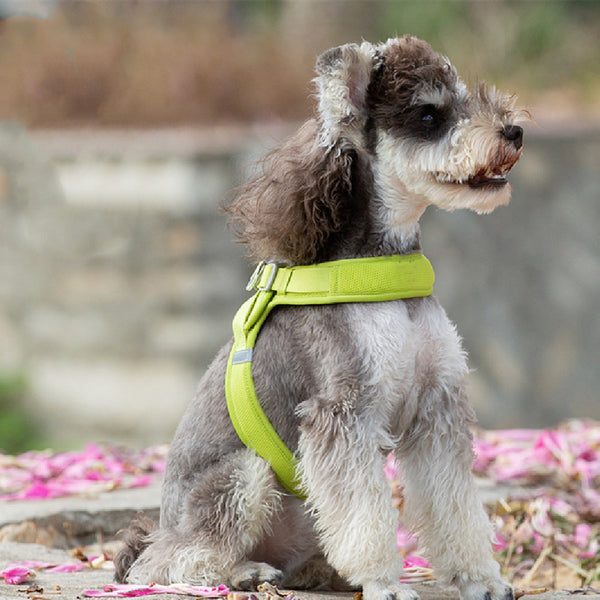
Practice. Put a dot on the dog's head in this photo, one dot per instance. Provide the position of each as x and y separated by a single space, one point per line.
396 131
431 141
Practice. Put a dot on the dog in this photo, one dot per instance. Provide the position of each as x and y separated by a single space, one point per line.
345 384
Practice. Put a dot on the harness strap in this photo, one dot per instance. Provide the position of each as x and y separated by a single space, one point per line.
373 279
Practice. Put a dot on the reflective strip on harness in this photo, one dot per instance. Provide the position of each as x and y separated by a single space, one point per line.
373 279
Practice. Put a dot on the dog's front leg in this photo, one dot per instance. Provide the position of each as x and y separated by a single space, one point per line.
342 471
442 502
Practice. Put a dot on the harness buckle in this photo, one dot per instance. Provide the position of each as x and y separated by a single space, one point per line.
257 275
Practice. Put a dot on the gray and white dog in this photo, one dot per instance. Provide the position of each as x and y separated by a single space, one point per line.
396 131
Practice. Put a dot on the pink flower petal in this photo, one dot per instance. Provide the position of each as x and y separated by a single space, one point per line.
141 481
415 561
404 539
37 491
500 544
159 466
67 568
31 564
582 535
133 590
16 575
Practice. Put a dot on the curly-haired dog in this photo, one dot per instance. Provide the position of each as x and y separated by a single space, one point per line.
345 384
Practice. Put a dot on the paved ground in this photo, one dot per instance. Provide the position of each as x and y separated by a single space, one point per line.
96 519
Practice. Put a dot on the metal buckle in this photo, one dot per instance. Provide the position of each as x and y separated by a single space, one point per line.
256 276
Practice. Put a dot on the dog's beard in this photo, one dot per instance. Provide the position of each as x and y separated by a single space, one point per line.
483 200
466 169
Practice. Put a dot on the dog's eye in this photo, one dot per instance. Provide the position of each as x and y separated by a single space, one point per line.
429 116
425 122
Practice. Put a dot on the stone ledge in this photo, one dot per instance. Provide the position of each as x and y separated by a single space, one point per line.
80 521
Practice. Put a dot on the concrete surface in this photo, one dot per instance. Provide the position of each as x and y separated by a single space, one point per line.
87 520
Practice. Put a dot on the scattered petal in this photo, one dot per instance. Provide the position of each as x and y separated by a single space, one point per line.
67 568
43 475
415 561
16 575
133 590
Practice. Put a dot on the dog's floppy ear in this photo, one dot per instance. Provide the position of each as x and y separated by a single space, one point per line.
290 210
343 78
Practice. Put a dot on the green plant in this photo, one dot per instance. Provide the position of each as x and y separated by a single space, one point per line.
18 432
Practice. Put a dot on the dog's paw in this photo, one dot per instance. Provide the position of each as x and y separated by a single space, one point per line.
247 576
496 590
375 590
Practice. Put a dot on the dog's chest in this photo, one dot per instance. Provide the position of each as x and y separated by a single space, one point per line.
406 347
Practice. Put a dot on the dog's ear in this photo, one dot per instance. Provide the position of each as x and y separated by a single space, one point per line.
290 210
343 77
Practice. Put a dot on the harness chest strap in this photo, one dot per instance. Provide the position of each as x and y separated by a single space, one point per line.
374 279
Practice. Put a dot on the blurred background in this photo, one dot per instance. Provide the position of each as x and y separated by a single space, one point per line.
124 125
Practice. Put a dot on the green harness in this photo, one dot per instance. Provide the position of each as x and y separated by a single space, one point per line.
374 279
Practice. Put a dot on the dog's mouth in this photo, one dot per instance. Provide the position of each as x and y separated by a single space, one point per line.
488 178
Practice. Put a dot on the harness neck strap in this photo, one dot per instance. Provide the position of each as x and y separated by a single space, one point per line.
373 279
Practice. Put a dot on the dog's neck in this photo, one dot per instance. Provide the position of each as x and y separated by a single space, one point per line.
383 218
401 240
395 211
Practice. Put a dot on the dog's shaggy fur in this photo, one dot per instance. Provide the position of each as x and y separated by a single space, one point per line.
396 131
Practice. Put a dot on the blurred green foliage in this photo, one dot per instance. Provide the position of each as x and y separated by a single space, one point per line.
428 20
533 45
18 432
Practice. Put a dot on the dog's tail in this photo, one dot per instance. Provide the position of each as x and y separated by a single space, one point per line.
136 539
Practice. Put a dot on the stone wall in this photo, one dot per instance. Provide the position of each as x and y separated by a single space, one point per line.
119 279
118 276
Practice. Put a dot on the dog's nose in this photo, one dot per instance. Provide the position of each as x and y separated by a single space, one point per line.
514 134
